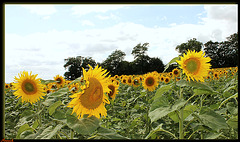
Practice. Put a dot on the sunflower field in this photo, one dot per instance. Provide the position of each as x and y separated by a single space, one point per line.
193 101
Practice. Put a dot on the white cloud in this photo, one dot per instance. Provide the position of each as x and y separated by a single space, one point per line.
40 9
84 9
87 23
222 12
107 17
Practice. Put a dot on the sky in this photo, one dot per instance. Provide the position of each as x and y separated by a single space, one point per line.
39 37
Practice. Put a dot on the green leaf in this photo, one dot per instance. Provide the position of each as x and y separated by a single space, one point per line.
198 85
48 102
60 92
186 112
53 132
35 124
211 119
159 128
226 92
45 132
45 82
233 122
105 133
84 126
163 110
200 92
213 135
161 90
77 80
53 107
19 102
172 61
233 96
161 101
233 109
22 129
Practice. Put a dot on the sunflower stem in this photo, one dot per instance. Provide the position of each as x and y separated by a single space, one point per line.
148 124
181 132
39 117
72 134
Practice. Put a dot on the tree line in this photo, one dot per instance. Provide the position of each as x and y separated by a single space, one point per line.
223 54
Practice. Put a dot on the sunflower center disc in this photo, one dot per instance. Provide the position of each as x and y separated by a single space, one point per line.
92 96
175 72
59 81
28 88
192 65
150 81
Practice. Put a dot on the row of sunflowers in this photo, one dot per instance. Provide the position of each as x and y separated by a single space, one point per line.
89 94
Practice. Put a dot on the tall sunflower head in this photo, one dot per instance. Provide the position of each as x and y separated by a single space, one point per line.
28 87
195 65
91 100
150 82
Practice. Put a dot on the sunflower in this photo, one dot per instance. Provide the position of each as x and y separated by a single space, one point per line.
167 79
52 87
150 82
216 75
7 86
28 87
136 82
93 95
195 65
74 88
113 86
60 81
161 78
129 80
124 80
175 72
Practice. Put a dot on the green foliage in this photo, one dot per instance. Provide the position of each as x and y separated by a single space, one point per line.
223 54
192 44
74 66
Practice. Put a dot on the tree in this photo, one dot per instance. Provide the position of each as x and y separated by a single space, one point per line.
155 64
223 54
192 44
211 50
112 63
140 56
74 66
140 50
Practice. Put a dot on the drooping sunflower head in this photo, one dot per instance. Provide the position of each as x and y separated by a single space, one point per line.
136 82
28 87
113 86
74 88
150 82
129 80
124 80
91 100
60 81
195 65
